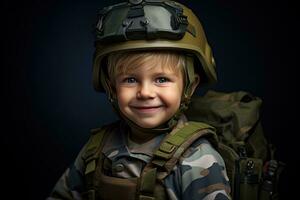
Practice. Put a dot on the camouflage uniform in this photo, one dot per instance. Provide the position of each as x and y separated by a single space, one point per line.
200 173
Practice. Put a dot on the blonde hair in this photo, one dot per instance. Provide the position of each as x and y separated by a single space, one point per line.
124 62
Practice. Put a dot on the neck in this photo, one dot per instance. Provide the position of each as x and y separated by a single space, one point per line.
139 136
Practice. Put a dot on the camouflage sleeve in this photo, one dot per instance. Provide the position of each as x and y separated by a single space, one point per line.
200 174
70 184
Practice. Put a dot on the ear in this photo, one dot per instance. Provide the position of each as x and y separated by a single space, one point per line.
195 83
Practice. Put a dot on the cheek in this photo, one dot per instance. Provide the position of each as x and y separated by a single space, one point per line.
121 97
124 96
172 97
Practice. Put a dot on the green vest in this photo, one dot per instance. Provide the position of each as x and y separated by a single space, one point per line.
149 186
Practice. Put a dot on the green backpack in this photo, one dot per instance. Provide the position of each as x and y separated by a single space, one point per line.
251 166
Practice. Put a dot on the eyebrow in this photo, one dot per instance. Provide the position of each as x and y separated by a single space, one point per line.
160 74
166 74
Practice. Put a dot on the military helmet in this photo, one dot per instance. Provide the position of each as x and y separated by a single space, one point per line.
138 25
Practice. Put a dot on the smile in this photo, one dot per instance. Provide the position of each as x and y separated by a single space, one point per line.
147 109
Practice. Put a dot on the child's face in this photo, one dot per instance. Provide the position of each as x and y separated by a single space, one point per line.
149 96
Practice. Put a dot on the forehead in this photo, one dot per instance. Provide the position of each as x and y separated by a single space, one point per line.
152 67
149 62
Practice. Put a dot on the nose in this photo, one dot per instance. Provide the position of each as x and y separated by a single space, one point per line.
146 91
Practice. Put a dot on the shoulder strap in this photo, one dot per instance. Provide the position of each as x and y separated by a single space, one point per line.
168 153
175 144
90 157
94 145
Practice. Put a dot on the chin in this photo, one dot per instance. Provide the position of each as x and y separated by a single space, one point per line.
148 125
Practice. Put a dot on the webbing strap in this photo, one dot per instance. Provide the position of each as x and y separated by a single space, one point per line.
167 148
90 158
147 184
175 144
93 145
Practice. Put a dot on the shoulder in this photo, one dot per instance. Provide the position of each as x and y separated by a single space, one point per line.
93 142
200 173
72 181
89 150
201 153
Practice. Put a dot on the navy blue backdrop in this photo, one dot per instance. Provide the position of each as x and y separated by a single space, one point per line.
50 104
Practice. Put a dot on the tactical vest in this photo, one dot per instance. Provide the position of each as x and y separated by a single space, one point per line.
149 186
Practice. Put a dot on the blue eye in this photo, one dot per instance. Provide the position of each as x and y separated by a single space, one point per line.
130 80
162 80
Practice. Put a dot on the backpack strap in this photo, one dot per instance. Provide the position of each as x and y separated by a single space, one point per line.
168 154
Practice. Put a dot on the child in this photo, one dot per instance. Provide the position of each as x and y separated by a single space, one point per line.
146 53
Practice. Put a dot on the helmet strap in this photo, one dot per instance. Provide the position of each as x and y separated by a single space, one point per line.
190 79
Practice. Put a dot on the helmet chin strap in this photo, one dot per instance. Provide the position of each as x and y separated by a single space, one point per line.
188 89
171 123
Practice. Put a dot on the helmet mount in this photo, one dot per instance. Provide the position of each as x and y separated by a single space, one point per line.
142 20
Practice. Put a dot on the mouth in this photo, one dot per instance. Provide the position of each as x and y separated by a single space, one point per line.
147 109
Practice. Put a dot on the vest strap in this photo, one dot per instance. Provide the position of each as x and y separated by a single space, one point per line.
93 145
147 183
90 157
175 144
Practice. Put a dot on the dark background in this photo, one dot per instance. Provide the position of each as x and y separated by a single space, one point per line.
49 105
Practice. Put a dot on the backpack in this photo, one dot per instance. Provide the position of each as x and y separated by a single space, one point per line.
250 161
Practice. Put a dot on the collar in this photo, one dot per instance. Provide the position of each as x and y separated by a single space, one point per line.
119 145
